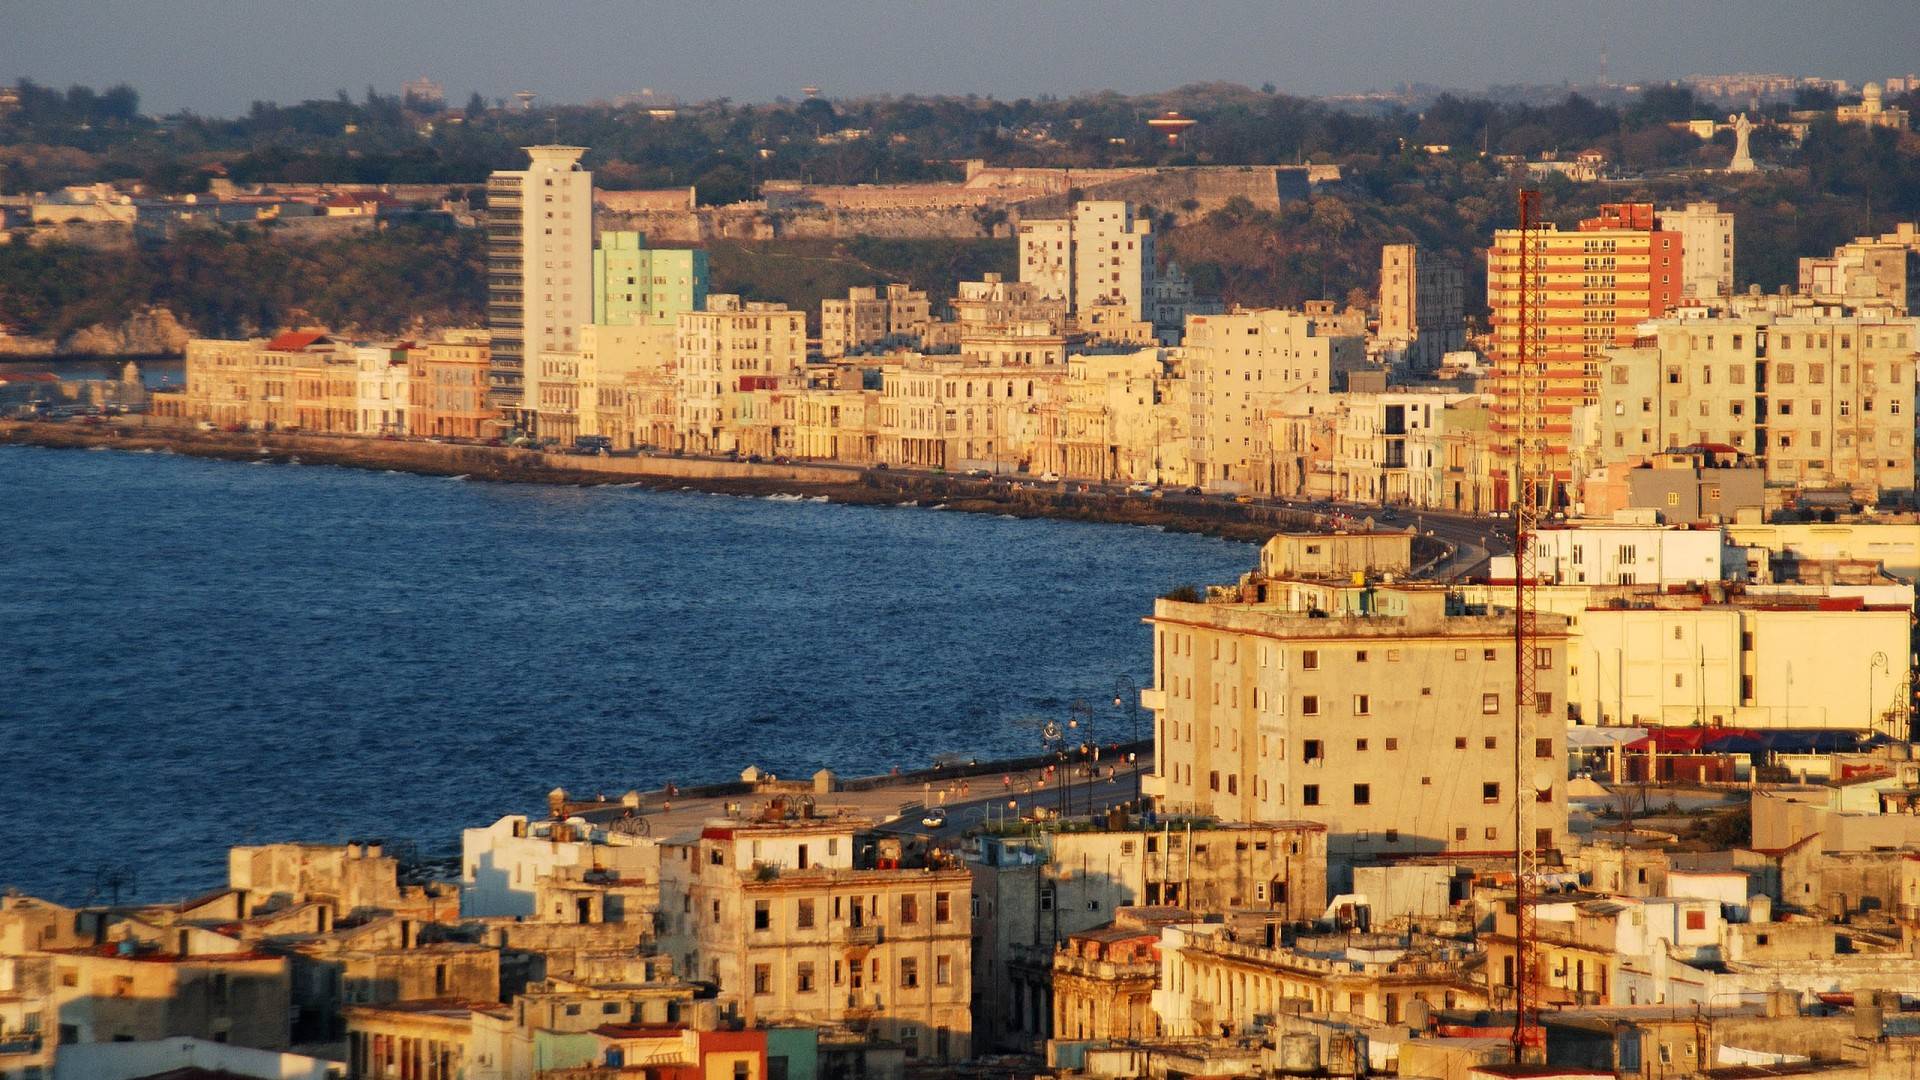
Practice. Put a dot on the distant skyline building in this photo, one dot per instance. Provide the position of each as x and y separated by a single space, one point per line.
539 266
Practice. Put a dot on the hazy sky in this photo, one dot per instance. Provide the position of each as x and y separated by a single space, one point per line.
216 56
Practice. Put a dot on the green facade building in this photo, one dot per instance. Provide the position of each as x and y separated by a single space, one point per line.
636 285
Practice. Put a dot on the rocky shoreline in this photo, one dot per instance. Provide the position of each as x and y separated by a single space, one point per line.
853 486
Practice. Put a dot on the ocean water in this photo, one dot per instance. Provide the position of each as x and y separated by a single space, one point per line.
200 653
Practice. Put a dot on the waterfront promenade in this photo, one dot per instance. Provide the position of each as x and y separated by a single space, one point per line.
1450 545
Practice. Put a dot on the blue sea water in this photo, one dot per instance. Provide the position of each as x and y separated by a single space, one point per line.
200 653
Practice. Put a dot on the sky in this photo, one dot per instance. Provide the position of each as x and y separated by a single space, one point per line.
217 56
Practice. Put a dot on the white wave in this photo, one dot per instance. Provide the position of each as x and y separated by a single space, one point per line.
819 498
1008 517
462 476
782 496
909 502
96 448
938 506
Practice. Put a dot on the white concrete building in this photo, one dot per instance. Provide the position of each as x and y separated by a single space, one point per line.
539 269
380 390
502 864
1706 248
1100 256
1624 553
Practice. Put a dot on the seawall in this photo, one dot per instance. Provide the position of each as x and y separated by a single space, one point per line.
844 484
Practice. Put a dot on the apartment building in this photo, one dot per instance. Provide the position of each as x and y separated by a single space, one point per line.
1098 257
1423 305
1211 982
1876 272
992 303
1388 447
1593 286
540 272
1819 402
1036 891
634 285
1706 248
381 389
613 360
809 920
1391 722
1239 364
729 349
447 388
869 316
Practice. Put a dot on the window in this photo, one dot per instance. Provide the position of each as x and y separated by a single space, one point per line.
909 972
1361 705
1459 742
1310 795
762 915
943 902
943 971
1489 654
763 978
1696 920
909 909
1543 703
1359 744
1490 792
1362 795
1311 750
803 977
1460 834
803 915
1393 744
1543 749
1489 704
1213 780
1046 898
1492 742
1310 705
1310 660
1360 656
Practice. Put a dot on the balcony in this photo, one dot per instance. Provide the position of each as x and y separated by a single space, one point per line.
863 935
19 1042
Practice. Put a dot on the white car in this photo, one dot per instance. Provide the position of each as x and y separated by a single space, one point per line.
934 819
1049 477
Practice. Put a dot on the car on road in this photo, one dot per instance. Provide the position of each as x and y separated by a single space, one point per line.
978 474
1049 477
1191 489
1139 489
755 459
1243 499
934 819
879 466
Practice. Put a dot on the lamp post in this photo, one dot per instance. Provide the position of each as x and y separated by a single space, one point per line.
1080 729
1126 697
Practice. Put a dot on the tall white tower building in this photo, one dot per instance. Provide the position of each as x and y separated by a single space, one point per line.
539 268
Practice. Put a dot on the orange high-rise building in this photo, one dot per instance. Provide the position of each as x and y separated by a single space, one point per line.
1593 287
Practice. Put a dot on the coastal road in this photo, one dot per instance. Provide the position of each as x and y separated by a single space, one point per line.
989 800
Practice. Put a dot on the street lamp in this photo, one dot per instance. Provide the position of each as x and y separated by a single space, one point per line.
1126 697
1875 664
